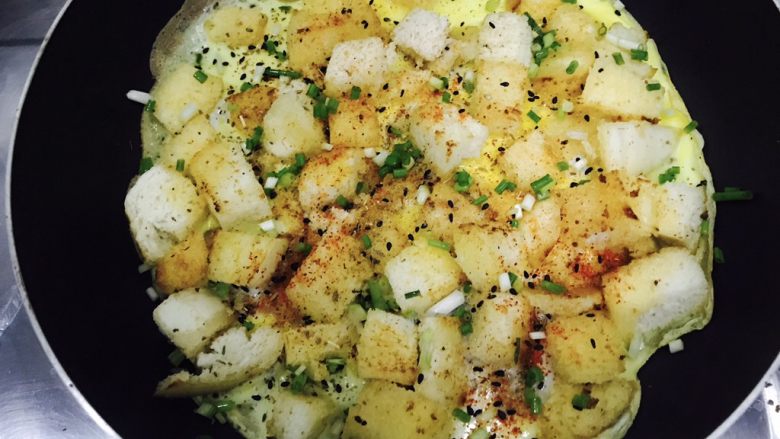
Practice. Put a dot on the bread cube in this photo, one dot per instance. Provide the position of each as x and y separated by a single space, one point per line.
443 370
423 34
329 175
484 254
311 345
656 294
179 96
357 63
672 211
186 266
429 270
290 127
386 411
355 125
446 137
245 259
528 160
506 37
622 89
248 108
227 181
301 417
387 348
541 228
585 349
498 324
163 207
236 26
196 135
191 318
499 93
635 147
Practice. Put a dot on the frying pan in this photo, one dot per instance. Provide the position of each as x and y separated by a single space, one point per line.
78 145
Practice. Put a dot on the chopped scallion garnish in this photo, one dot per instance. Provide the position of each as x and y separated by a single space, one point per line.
252 143
412 294
618 57
572 67
653 86
145 165
299 382
504 186
343 202
366 242
582 401
463 181
553 287
274 73
717 254
400 173
669 175
468 86
303 247
446 97
246 86
180 165
733 195
201 76
534 117
461 416
639 54
705 227
690 127
562 166
479 201
248 325
439 244
151 105
360 188
466 328
220 289
542 186
313 91
354 94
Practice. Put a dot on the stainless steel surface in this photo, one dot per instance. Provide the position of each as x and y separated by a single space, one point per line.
37 400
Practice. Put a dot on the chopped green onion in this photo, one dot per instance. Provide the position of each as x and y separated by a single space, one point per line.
253 142
534 117
412 294
463 181
669 175
512 278
572 66
504 186
198 60
461 416
400 173
248 325
533 400
718 255
151 105
299 382
335 365
468 86
639 54
653 86
396 132
313 91
246 86
514 223
581 401
354 94
445 82
542 186
446 97
145 165
220 289
343 202
533 376
201 76
618 57
467 287
206 409
379 290
690 127
271 47
285 8
733 195
479 201
466 328
300 160
303 247
360 188
366 242
332 105
321 111
705 227
553 287
491 5
570 1
562 166
180 165
176 357
439 244
274 73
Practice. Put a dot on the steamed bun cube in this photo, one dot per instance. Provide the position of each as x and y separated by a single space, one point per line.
318 27
573 27
196 135
565 305
163 207
441 360
290 127
311 345
235 26
326 282
300 416
355 125
329 175
357 63
386 411
447 137
498 96
585 349
622 89
186 266
429 270
244 259
615 399
227 181
191 318
498 324
248 108
484 254
180 96
635 147
506 37
387 348
541 228
655 294
673 211
423 33
528 160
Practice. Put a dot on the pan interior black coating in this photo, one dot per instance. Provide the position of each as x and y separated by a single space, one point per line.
78 146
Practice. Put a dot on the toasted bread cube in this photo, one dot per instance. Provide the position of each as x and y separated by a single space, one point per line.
672 211
355 125
423 33
656 294
236 26
528 160
186 266
485 254
191 318
326 282
163 208
622 89
250 107
446 136
506 37
572 26
541 228
357 63
196 135
301 417
329 175
635 147
441 360
498 324
387 348
429 270
290 127
227 181
245 259
180 97
585 349
311 345
318 27
499 95
386 411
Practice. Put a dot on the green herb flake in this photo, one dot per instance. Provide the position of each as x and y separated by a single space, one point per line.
151 105
461 416
534 117
145 165
562 166
572 67
669 175
618 57
553 287
180 165
200 76
354 94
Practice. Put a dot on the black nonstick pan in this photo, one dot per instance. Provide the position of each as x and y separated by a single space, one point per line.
78 145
